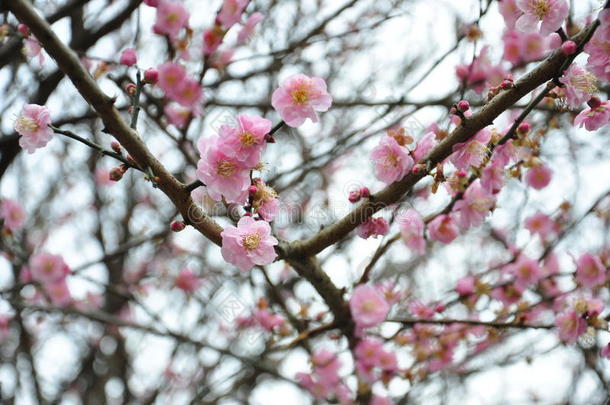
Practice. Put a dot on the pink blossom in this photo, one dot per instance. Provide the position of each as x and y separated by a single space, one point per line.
171 18
594 118
326 366
177 115
264 200
187 281
248 244
187 93
421 310
231 12
373 227
47 268
551 13
224 175
392 161
523 48
590 271
570 326
220 60
481 73
443 228
539 177
424 145
508 294
247 141
474 205
128 57
368 307
13 214
33 126
492 178
32 48
540 224
598 48
510 12
579 85
525 270
212 38
249 27
466 286
170 76
267 320
299 97
412 230
471 153
58 292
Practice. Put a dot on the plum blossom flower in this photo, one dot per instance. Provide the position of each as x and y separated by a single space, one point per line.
590 271
299 97
481 73
373 227
368 307
247 141
171 18
224 175
48 268
471 153
392 161
525 270
248 244
412 230
540 224
176 114
594 117
510 12
187 281
539 176
424 145
13 214
33 126
474 205
443 228
265 201
579 85
249 27
492 178
466 286
231 11
212 38
598 48
551 13
570 326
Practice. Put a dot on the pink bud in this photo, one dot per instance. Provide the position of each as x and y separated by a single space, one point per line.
130 88
365 192
115 174
461 173
177 226
23 30
354 196
248 214
554 40
523 128
151 75
463 105
116 147
151 3
128 57
568 47
252 189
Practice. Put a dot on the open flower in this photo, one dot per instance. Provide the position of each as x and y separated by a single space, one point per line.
412 230
299 97
171 18
474 205
594 117
48 268
13 215
369 308
551 13
392 161
247 141
590 271
579 85
248 244
33 126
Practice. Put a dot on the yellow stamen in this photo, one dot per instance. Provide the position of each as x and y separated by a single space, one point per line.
225 168
251 241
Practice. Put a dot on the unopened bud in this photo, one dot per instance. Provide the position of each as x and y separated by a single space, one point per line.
463 105
177 226
23 30
252 190
365 192
523 128
594 102
115 174
151 75
116 147
354 196
568 47
130 88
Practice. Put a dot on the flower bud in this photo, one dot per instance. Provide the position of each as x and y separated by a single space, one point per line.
151 75
594 102
252 190
177 226
354 196
463 105
523 128
130 88
365 192
23 30
128 57
115 174
568 47
116 147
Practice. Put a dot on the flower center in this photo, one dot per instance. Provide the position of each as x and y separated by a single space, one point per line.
480 204
300 95
247 138
225 168
368 306
48 267
391 160
172 18
584 82
26 124
251 241
540 8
